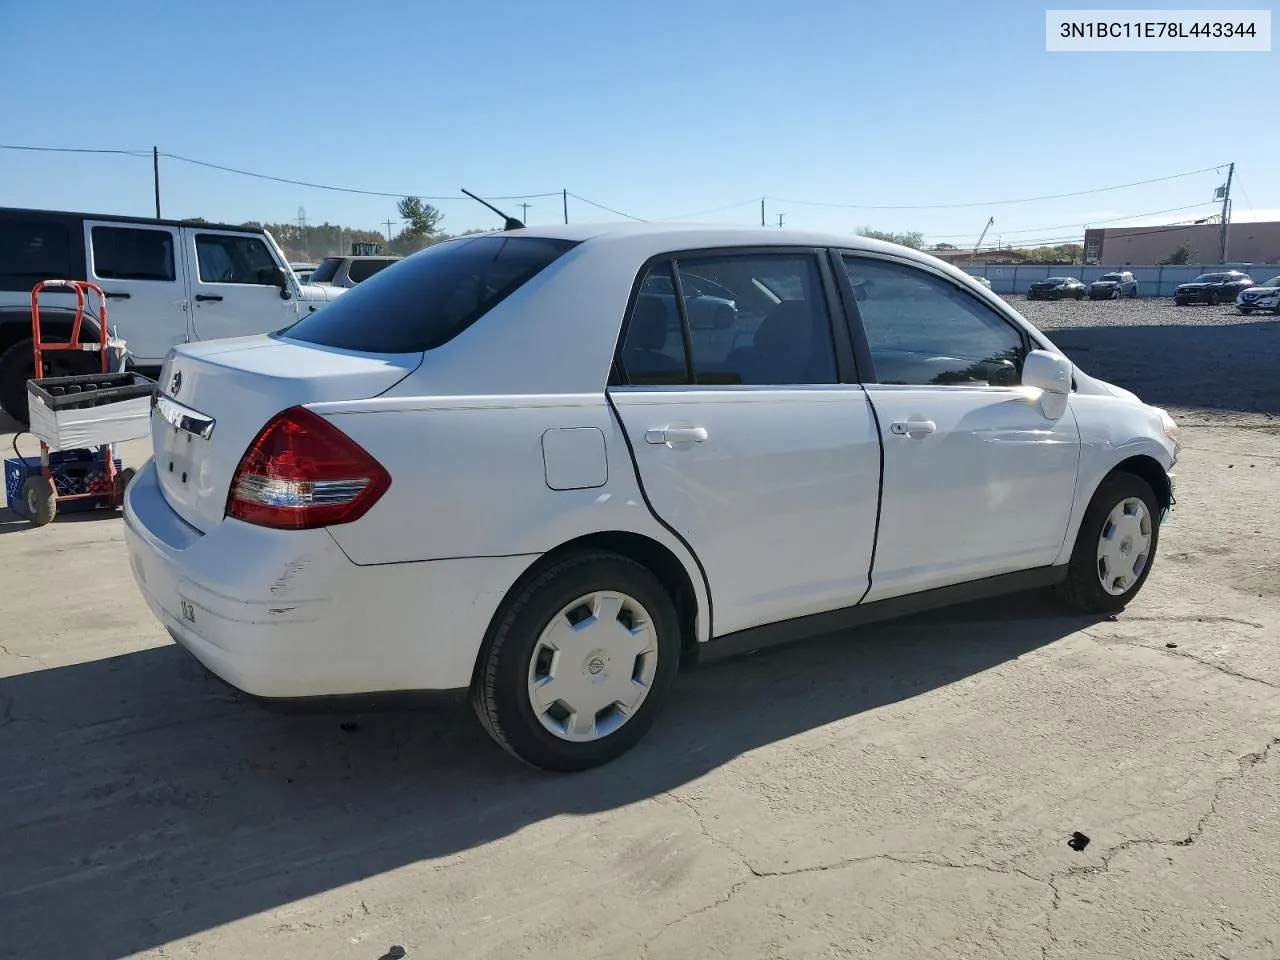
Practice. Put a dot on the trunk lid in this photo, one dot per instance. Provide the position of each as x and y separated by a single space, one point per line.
213 398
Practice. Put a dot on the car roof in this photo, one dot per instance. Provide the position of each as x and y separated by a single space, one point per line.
646 240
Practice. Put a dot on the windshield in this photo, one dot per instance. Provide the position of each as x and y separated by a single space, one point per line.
426 300
1273 282
1209 278
327 270
1115 277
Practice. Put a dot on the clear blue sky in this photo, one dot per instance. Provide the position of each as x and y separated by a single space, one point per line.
658 109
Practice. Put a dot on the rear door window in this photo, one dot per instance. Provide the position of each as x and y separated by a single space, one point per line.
364 269
129 253
430 297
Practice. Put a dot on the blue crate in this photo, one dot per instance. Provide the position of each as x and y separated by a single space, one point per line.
71 470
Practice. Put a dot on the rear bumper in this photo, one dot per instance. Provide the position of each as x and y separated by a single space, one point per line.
285 614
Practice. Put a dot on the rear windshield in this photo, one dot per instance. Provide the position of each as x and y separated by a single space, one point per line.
428 299
327 270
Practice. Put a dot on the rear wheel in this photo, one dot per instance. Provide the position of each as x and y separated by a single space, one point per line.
1214 299
39 500
17 366
578 663
1115 547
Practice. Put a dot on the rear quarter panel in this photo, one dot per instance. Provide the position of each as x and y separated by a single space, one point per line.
469 479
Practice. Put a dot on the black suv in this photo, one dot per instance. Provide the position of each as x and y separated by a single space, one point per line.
1057 288
1213 288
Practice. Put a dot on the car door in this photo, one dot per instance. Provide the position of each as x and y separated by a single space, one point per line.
977 480
232 291
747 443
138 267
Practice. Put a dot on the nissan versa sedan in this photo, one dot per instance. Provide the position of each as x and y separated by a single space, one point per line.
1265 296
1057 288
493 468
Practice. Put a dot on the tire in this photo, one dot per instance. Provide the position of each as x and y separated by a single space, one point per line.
1079 297
1214 299
1179 303
1245 310
123 479
515 653
17 366
1084 588
39 500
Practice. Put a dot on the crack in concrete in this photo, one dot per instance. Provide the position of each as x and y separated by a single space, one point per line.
1245 764
1180 652
21 656
1193 618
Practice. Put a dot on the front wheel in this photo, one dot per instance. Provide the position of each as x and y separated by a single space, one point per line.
1115 547
1214 299
1246 310
578 663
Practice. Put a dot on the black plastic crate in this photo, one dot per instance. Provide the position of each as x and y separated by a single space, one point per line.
90 389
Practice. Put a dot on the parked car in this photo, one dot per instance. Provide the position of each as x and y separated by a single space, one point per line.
493 468
303 271
1113 286
1213 288
1057 288
1265 296
705 307
348 271
166 282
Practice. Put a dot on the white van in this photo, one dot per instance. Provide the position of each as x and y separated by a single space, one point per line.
167 282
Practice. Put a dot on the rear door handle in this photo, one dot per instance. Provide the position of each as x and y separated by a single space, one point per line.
112 295
661 435
200 297
912 428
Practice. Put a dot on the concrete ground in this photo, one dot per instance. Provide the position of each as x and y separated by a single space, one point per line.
906 791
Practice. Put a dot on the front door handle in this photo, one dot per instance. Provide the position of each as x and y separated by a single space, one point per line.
912 428
671 435
113 295
201 297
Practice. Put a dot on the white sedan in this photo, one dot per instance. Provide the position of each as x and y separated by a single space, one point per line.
494 467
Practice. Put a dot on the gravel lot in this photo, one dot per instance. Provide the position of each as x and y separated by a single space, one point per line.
906 791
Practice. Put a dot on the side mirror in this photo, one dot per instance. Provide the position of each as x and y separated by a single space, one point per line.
275 277
1050 373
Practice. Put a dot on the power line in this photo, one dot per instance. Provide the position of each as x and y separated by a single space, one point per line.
703 213
1089 223
124 153
989 203
325 186
616 213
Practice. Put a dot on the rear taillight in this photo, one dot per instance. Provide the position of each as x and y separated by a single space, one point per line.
302 472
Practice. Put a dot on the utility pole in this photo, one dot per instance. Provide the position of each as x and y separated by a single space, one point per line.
155 172
1226 221
524 212
762 211
388 223
564 195
780 216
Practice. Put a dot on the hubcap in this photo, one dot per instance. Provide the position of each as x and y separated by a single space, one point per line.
1124 547
593 666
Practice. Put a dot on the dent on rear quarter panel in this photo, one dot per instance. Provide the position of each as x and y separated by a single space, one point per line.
469 480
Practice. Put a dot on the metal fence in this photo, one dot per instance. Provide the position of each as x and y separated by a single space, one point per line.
1154 281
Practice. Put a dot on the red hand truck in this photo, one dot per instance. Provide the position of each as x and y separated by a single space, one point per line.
40 494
